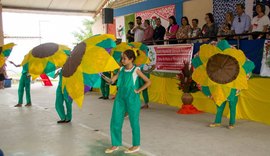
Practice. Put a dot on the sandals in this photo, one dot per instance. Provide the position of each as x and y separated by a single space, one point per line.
132 150
212 125
112 149
230 127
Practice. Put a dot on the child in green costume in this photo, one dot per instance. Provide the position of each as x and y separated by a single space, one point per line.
59 102
24 84
127 99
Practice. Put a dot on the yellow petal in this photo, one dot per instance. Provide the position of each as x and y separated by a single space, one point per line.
219 93
237 54
99 38
207 51
240 82
96 60
75 86
200 76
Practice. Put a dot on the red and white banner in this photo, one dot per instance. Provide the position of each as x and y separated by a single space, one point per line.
162 12
170 58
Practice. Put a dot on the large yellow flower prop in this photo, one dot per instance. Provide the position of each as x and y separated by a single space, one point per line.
141 57
221 70
45 58
106 41
5 51
81 69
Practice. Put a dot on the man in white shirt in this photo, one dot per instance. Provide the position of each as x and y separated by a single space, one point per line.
138 30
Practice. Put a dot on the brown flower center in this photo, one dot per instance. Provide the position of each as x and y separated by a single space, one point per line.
222 68
45 50
74 60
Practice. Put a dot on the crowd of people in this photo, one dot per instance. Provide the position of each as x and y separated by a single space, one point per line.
189 33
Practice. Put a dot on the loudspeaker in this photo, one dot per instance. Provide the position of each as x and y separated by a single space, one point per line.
107 15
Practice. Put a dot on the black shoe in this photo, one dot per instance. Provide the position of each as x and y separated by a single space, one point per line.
28 105
67 121
61 121
105 98
101 97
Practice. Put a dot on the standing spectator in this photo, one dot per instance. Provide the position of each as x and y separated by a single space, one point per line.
130 36
159 32
209 29
225 28
241 23
138 30
260 22
172 30
148 33
183 31
195 31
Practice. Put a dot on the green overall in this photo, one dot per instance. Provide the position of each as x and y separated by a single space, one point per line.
232 100
24 83
59 102
105 88
141 83
126 101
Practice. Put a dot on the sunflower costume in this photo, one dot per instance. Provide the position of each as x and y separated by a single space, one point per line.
222 72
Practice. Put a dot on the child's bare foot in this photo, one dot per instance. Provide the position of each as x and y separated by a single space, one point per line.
18 105
132 149
112 149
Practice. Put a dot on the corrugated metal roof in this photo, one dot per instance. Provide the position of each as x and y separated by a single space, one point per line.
64 6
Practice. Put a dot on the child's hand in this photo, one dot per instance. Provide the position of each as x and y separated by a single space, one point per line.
136 91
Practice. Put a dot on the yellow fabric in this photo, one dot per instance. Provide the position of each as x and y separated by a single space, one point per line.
94 61
253 103
36 66
220 92
2 60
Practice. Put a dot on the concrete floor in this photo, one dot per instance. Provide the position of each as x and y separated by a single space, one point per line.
34 131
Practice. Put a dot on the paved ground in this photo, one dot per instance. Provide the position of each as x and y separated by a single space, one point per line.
34 131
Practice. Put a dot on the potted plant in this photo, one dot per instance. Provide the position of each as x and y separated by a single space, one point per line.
188 86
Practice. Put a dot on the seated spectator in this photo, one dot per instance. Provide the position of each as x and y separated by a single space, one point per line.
172 30
225 28
209 29
159 32
130 36
260 22
195 31
182 32
148 33
241 23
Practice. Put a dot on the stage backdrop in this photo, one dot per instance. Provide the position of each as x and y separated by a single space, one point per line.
120 28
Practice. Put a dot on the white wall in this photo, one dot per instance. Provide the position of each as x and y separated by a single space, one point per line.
197 9
98 27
